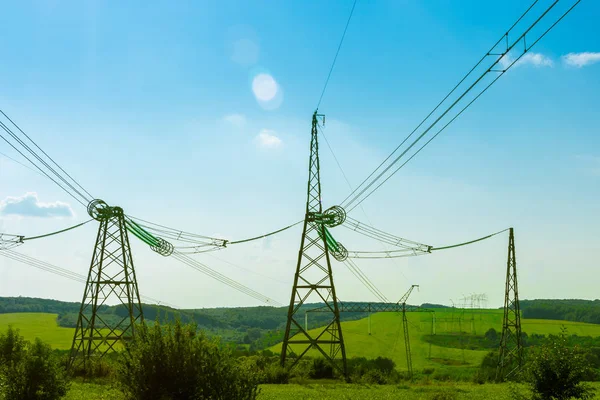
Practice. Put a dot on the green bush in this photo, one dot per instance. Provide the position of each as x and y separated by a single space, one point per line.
12 347
94 367
321 369
30 371
176 362
275 373
487 369
557 371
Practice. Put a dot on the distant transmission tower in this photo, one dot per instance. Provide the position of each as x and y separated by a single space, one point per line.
511 347
111 281
313 275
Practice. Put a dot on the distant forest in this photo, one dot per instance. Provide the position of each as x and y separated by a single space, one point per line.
258 327
566 310
261 327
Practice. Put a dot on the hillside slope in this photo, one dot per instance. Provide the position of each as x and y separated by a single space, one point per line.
386 339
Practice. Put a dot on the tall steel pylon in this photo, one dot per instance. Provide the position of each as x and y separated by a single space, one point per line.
111 281
314 276
511 346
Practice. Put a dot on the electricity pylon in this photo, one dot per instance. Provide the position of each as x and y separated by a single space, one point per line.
402 302
511 346
313 275
111 281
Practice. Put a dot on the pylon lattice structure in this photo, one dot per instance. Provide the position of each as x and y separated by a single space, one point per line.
511 346
314 276
111 281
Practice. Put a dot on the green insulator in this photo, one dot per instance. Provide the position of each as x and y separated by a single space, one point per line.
99 210
334 216
164 248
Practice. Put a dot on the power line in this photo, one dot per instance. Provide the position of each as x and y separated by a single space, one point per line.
198 266
364 279
247 269
57 232
39 158
202 240
65 273
336 54
20 163
469 242
362 189
51 159
350 186
40 169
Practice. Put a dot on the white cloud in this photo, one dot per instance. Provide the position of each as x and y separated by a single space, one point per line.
581 59
267 139
29 205
237 120
535 59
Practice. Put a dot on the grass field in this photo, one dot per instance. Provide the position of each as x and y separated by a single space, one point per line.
44 326
386 339
339 391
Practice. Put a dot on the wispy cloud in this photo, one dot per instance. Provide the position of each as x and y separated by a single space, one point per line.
579 60
29 205
535 59
237 120
268 139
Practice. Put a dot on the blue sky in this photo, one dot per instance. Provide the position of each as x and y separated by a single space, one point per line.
157 108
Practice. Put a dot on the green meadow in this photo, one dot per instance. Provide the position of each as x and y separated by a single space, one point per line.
341 391
386 338
39 325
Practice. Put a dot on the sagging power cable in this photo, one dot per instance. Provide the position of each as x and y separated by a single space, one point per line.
65 273
364 279
381 175
43 163
198 266
336 54
199 243
415 252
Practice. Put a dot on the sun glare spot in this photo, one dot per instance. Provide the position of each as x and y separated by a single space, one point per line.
264 87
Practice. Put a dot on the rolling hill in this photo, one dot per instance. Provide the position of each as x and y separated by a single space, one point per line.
386 339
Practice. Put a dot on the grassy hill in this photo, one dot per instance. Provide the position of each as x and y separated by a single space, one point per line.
386 339
42 325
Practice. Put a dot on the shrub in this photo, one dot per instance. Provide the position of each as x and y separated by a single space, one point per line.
94 367
487 369
321 369
12 347
30 371
275 373
176 362
557 371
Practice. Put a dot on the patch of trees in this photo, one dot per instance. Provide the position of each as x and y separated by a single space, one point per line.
566 310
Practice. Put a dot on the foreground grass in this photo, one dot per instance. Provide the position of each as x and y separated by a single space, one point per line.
340 391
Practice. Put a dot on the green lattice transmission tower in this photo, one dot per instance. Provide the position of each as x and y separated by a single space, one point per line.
313 278
511 346
111 281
